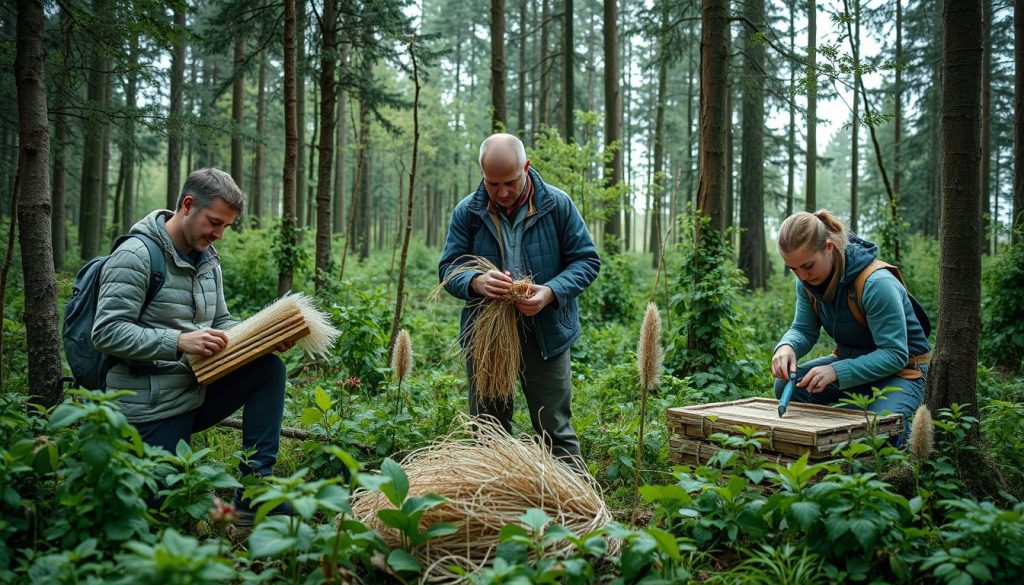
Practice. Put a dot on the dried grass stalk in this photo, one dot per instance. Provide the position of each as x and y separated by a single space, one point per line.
491 339
401 356
922 433
648 351
489 479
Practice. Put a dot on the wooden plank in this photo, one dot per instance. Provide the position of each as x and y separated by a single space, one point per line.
252 354
698 452
291 321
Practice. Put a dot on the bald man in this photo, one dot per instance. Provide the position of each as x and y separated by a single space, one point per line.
528 228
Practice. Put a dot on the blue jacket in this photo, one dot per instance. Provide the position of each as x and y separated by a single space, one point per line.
866 354
558 253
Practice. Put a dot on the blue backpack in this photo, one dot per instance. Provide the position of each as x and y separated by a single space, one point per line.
89 366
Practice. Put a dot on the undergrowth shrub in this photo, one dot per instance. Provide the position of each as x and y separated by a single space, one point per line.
1002 309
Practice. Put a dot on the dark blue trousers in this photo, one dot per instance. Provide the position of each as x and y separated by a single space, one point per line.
258 389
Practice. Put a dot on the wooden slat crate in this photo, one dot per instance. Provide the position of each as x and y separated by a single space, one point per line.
806 428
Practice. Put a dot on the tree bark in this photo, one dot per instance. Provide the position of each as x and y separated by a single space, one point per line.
499 70
752 238
174 120
545 65
238 115
1018 117
256 191
714 115
568 68
328 28
44 361
953 376
811 174
291 153
612 119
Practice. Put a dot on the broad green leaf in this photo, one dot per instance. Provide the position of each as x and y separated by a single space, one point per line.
66 415
322 400
535 519
403 562
805 513
398 489
267 540
666 542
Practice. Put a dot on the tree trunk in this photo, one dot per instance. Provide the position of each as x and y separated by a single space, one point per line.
288 242
300 112
791 131
397 320
92 156
521 77
256 192
658 184
1018 117
328 28
309 198
714 114
752 242
953 376
897 89
855 127
127 210
612 119
988 221
238 115
545 65
339 160
810 182
568 77
499 71
174 120
44 361
60 153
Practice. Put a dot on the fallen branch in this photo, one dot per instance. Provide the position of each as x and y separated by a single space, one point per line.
297 434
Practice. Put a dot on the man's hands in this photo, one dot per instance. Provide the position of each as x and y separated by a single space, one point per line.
540 297
204 342
208 341
492 284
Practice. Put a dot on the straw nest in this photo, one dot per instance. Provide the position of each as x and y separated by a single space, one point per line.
491 339
318 342
489 479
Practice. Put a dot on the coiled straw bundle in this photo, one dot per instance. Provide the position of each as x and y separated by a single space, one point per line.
489 479
491 339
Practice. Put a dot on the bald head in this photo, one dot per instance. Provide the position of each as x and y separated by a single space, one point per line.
504 166
502 149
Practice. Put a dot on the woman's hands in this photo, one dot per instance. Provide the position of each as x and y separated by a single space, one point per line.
783 362
818 378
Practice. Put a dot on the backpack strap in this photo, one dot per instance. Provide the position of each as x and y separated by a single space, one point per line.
157 265
855 296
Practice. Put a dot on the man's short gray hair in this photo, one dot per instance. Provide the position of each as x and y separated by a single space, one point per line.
205 185
504 141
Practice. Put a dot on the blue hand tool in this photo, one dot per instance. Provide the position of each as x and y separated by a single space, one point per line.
787 394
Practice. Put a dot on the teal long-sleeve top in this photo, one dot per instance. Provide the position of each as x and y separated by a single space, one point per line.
866 354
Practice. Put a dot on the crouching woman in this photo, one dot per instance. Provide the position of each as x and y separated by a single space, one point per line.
863 306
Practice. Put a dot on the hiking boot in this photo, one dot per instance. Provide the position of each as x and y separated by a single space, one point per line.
245 512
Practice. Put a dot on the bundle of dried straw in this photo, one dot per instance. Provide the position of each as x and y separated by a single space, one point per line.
293 317
489 479
491 339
